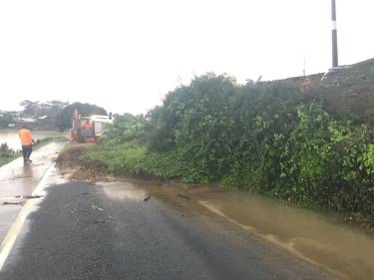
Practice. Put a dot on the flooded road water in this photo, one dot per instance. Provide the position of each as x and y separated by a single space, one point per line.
341 250
11 137
345 252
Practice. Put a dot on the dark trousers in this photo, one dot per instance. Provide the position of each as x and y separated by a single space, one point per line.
26 152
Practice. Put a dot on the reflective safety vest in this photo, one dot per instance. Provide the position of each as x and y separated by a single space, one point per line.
26 137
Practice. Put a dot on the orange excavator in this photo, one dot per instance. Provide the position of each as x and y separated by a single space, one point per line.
83 131
88 129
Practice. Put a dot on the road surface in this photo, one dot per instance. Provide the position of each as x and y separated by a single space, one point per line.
18 180
108 231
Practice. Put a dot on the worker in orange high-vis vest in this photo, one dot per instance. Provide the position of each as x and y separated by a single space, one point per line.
26 141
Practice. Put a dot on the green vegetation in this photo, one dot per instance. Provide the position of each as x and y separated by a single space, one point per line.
291 140
7 154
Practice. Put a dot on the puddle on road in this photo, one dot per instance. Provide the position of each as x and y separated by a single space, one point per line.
123 191
314 237
340 249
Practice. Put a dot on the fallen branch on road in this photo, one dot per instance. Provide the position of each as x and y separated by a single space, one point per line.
13 203
29 196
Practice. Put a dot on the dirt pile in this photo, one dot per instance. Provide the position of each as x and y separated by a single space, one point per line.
72 161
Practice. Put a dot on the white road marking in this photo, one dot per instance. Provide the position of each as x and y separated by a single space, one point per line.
29 207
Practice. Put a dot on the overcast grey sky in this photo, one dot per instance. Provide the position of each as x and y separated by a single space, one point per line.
126 55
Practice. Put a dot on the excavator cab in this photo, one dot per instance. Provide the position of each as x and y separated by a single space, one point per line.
83 131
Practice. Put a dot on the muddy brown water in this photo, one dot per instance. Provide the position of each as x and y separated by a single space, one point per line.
11 137
344 251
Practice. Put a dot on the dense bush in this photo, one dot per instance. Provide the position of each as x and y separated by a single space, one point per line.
273 138
126 128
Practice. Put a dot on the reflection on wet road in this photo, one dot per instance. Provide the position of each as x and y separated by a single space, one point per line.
316 238
18 180
123 191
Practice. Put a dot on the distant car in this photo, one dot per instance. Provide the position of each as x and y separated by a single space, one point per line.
12 125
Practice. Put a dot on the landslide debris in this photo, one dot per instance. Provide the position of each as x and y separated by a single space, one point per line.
73 162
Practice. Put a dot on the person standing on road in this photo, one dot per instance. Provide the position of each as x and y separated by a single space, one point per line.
26 141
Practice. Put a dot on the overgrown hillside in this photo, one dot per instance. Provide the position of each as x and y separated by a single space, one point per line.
303 140
349 94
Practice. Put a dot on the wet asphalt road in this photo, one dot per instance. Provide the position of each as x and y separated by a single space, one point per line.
79 232
17 179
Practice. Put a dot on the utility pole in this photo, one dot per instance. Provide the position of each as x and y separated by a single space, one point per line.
335 61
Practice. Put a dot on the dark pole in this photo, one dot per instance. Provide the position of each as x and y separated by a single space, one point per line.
335 61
